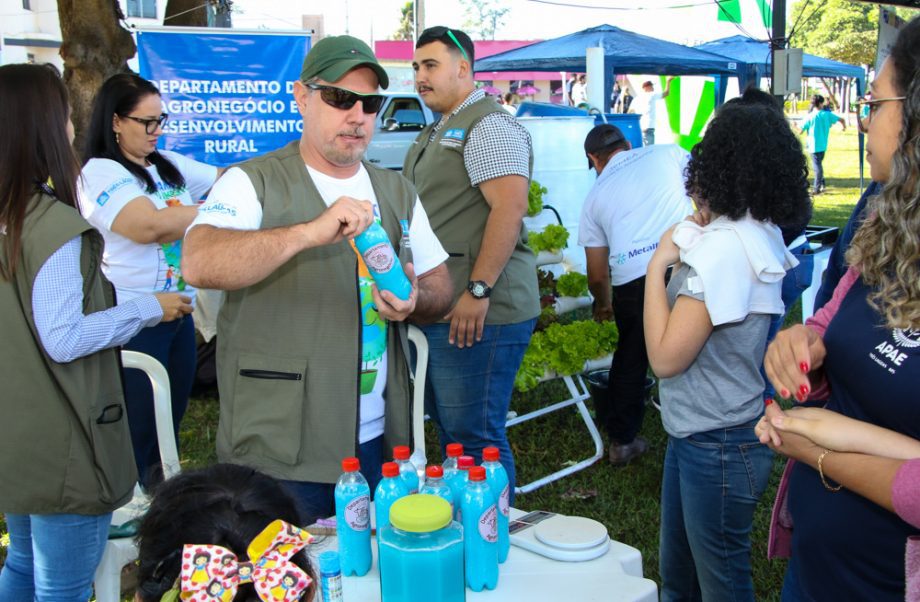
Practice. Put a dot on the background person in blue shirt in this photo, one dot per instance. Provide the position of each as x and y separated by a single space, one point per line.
818 126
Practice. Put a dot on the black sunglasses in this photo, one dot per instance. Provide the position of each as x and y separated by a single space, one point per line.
156 122
343 99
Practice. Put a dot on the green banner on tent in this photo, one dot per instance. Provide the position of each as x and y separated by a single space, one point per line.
730 10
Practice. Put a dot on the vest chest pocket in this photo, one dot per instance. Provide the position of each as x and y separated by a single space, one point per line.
268 401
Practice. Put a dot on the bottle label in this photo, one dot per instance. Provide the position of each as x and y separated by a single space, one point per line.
488 527
504 501
357 513
379 257
332 588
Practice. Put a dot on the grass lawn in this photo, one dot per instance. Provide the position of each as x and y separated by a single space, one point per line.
624 499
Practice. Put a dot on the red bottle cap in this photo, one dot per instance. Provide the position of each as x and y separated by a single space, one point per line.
434 472
454 450
490 454
390 469
351 464
477 473
401 452
465 462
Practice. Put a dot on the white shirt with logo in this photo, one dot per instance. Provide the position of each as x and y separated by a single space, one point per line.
233 203
638 196
137 269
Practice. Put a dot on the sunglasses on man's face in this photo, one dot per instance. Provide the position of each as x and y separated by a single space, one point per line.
343 99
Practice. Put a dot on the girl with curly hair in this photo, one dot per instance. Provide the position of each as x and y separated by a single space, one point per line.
852 502
706 335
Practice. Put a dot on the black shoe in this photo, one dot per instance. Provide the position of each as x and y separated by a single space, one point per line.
621 455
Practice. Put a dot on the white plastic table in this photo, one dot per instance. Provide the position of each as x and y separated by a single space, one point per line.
529 577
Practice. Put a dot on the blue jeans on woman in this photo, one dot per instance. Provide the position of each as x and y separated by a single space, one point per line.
173 345
52 557
817 168
468 391
711 486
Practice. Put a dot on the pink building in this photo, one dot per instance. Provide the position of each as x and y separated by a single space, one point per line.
396 58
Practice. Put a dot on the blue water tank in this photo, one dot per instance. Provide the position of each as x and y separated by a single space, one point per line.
627 122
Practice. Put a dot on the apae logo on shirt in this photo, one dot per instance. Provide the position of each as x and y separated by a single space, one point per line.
453 137
891 350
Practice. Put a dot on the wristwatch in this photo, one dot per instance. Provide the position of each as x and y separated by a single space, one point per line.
479 289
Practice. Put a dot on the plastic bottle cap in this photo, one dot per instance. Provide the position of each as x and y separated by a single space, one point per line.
434 472
465 462
477 473
401 452
390 469
454 450
490 454
329 562
420 513
351 465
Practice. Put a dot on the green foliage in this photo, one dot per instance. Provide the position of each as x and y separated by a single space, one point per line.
572 284
546 282
554 238
836 29
547 317
535 198
564 349
484 17
406 22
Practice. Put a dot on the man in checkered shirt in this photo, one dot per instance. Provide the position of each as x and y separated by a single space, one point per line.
472 171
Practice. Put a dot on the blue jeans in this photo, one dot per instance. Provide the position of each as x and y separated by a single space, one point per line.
817 168
794 284
648 136
317 500
468 391
173 345
711 485
52 557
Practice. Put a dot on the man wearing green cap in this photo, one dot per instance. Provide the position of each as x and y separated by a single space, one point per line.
311 367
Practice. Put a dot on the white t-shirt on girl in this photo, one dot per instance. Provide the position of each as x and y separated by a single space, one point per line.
140 269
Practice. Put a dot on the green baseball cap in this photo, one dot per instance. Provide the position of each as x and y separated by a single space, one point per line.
334 56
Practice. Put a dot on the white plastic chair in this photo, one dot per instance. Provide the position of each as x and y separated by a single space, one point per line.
119 552
418 458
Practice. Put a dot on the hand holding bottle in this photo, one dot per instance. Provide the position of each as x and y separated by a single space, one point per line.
390 306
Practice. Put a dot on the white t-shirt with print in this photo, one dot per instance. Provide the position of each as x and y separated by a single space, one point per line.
138 269
638 196
233 203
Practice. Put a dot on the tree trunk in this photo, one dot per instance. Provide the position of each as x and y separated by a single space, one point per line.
186 13
94 47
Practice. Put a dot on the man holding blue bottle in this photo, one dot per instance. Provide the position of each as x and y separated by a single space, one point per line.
310 356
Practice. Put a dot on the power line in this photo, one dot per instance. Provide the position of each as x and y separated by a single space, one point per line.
623 8
731 20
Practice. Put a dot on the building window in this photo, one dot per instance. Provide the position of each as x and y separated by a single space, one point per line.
143 9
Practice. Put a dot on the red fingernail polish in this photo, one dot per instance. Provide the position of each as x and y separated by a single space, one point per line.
803 390
784 393
767 401
804 367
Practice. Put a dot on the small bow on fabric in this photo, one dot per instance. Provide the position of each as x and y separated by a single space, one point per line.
211 573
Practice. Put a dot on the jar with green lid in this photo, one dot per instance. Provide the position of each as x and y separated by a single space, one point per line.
421 552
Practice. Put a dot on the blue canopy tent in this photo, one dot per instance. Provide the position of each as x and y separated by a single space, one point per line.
624 52
753 59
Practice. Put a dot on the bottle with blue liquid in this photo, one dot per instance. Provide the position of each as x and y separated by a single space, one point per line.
390 489
381 261
480 532
454 451
435 485
353 519
458 483
407 470
497 478
330 575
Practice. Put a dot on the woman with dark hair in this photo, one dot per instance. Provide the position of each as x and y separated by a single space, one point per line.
224 505
142 199
851 507
63 469
818 127
706 335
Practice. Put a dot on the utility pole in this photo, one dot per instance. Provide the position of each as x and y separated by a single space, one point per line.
778 39
419 13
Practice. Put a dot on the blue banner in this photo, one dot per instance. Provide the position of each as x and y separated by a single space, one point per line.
228 95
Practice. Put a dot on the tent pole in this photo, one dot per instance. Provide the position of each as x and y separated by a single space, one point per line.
778 41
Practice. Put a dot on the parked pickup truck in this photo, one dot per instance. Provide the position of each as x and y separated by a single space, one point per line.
399 121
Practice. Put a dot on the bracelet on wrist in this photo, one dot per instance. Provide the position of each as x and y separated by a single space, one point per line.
821 472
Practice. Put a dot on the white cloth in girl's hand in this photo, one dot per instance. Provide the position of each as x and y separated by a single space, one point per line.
740 266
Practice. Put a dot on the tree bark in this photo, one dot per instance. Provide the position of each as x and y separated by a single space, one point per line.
94 47
186 13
